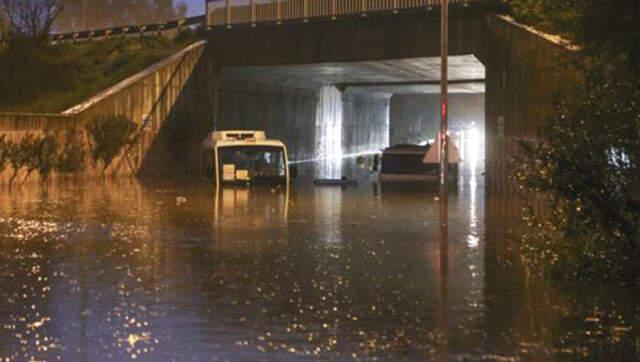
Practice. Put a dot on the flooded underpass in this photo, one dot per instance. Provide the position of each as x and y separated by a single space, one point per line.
172 271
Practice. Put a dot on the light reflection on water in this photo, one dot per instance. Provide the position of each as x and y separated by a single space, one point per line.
159 271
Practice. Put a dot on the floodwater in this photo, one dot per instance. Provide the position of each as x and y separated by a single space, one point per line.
128 270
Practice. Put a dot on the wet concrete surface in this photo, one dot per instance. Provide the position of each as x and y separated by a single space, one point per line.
127 270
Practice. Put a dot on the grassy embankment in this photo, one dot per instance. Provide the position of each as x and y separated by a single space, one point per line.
55 78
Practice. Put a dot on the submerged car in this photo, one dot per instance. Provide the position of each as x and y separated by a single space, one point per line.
416 163
244 158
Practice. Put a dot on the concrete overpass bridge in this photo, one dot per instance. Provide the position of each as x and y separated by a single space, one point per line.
281 66
349 74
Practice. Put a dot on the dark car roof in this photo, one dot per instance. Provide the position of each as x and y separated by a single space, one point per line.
407 149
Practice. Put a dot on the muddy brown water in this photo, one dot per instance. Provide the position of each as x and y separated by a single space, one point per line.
177 271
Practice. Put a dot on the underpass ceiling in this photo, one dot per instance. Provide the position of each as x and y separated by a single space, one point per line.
395 76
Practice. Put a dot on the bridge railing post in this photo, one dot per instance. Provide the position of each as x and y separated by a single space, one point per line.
253 12
206 14
395 6
334 9
279 11
227 8
305 10
363 7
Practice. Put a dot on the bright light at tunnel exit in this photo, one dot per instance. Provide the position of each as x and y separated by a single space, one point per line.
473 148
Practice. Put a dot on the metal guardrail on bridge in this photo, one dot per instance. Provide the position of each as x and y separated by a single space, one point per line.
237 12
121 31
227 13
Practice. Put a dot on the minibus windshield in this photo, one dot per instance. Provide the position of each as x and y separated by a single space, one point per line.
251 163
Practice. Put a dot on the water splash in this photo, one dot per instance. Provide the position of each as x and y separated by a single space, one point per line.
329 133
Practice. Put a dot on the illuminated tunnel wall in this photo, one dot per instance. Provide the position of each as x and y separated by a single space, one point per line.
318 124
366 123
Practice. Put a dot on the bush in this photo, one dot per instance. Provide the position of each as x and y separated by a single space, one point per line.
109 137
47 155
29 70
588 165
51 78
555 16
44 154
71 158
22 154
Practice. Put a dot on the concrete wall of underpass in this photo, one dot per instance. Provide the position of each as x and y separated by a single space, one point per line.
284 112
527 72
415 118
365 123
290 112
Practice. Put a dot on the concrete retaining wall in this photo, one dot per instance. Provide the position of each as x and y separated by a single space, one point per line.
527 72
14 126
153 97
18 123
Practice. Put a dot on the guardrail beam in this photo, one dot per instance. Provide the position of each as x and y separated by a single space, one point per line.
271 11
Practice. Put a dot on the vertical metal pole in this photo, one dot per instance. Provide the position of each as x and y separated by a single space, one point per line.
228 11
444 109
444 167
306 10
334 9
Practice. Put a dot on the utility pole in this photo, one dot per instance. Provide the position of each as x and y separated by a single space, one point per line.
444 109
444 167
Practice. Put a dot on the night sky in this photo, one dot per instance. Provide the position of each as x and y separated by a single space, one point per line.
196 7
